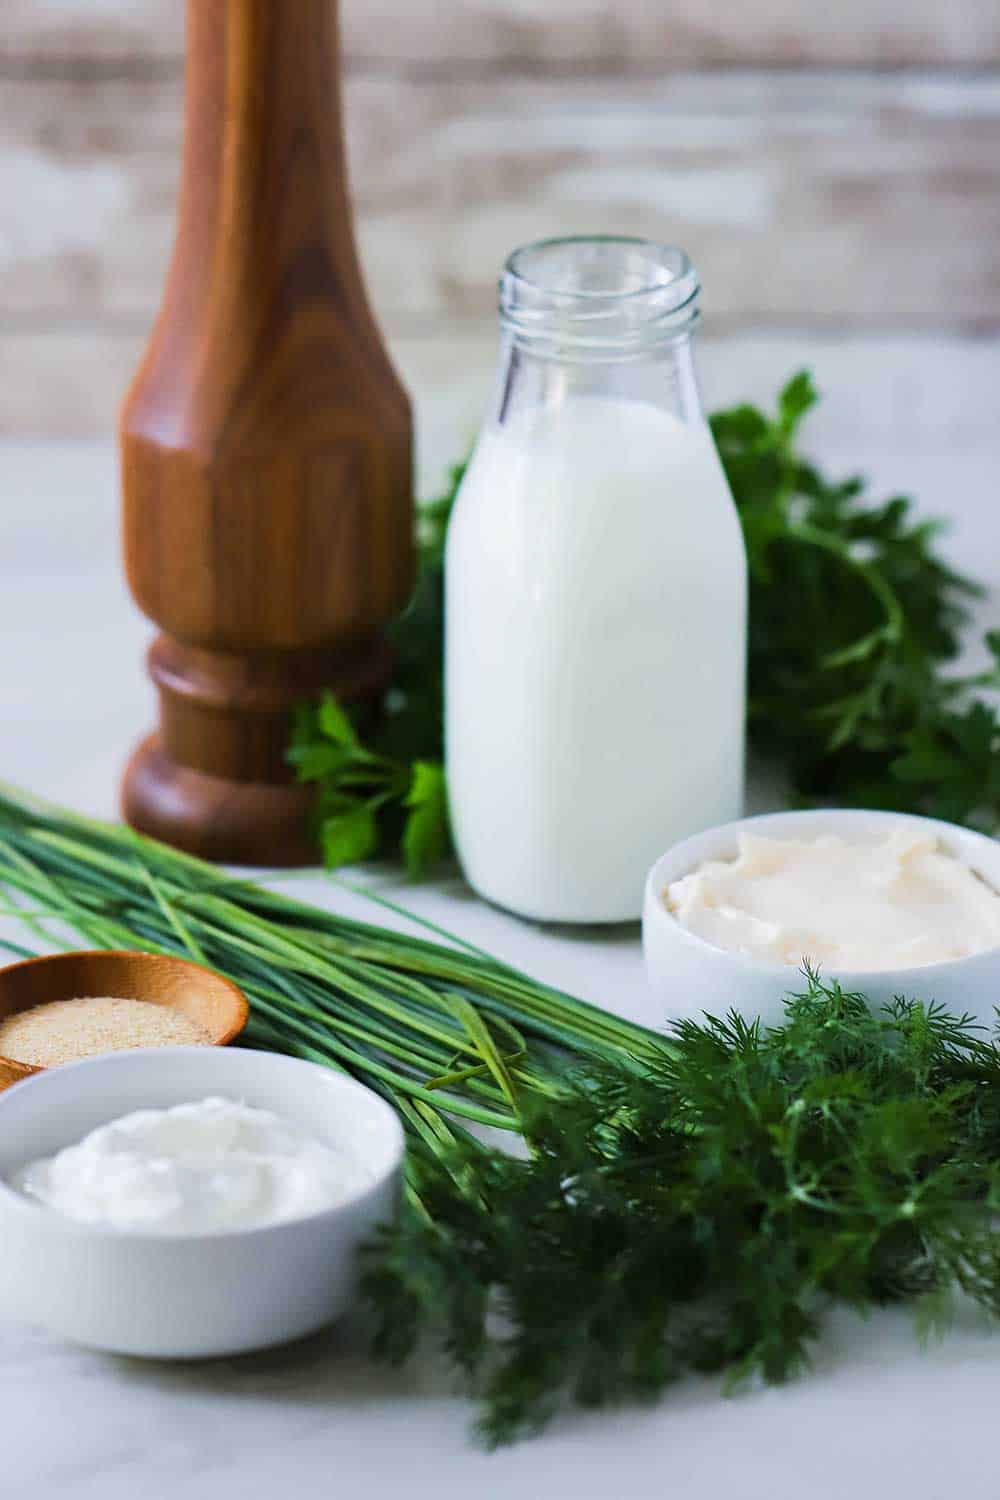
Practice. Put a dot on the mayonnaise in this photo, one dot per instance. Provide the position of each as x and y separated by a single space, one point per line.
895 904
197 1168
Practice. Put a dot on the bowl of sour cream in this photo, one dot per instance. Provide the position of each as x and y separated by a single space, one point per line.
190 1202
886 904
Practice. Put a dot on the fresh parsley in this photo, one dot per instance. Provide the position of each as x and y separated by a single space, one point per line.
854 622
388 791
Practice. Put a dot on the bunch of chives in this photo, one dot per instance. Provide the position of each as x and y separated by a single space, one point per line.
444 1032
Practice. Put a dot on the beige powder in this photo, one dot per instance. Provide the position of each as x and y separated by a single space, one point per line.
65 1030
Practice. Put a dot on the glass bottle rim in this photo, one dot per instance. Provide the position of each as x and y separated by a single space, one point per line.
596 295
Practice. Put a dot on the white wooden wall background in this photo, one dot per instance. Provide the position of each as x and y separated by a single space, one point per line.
834 169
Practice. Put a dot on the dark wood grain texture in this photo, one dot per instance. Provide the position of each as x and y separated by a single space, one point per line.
266 443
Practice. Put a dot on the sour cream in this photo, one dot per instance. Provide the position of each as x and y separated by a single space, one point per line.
197 1168
899 903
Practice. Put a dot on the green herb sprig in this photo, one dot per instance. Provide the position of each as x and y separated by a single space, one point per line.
360 785
854 620
703 1216
387 792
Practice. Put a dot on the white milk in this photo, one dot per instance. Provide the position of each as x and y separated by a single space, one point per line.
596 646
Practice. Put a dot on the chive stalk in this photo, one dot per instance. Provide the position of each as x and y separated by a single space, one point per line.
437 1026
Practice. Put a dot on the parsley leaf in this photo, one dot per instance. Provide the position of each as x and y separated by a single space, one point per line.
349 836
426 836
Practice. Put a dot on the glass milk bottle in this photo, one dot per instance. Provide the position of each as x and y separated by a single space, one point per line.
596 592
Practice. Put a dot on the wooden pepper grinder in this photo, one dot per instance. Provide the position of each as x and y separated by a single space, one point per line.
266 444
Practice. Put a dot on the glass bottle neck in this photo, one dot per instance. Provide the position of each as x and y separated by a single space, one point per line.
664 377
607 317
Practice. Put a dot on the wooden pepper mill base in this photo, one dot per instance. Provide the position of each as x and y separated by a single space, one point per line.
215 780
208 816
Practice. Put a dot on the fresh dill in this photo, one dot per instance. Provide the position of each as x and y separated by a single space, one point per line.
703 1215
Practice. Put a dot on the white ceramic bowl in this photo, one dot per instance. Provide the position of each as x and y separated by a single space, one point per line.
180 1297
692 977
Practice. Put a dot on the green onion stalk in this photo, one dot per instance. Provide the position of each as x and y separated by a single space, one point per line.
445 1032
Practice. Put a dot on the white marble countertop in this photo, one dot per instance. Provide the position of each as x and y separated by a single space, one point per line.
876 1417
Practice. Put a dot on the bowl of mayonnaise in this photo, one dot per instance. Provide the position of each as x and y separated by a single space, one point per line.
886 904
190 1202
